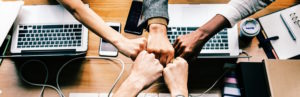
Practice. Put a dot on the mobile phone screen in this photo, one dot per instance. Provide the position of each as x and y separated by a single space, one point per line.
106 46
133 18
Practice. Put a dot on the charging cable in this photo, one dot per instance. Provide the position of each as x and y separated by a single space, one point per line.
57 88
35 84
92 57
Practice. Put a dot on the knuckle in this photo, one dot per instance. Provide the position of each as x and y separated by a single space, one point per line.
171 50
151 55
156 50
187 50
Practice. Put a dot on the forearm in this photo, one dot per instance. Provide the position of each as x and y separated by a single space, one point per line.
213 26
129 88
91 20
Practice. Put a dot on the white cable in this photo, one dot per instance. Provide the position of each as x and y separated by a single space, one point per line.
246 53
213 85
35 84
91 57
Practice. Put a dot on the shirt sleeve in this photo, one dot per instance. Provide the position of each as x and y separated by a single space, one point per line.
236 10
153 9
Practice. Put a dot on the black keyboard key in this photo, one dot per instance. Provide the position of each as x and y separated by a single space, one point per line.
223 36
39 27
78 34
23 31
225 40
52 26
66 26
20 43
78 38
77 30
191 28
21 35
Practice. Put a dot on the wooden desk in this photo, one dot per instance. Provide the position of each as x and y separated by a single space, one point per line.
96 76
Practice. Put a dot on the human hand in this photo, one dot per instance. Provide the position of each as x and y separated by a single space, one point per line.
176 76
189 45
145 70
131 47
159 44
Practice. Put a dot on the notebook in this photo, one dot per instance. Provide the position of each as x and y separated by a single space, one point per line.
285 46
283 77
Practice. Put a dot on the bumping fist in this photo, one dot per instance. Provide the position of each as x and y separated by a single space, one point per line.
146 68
176 77
159 44
132 47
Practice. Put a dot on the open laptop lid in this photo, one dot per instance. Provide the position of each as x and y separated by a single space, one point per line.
8 12
196 15
46 14
193 15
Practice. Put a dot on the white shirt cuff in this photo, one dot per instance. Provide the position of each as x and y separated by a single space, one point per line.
231 14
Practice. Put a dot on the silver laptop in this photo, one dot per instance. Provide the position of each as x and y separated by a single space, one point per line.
185 18
48 28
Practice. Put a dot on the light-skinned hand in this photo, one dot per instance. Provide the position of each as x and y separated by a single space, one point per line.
176 77
145 70
159 44
131 47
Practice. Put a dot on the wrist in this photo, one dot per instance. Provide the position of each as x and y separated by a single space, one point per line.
118 40
176 92
203 34
158 29
137 82
131 83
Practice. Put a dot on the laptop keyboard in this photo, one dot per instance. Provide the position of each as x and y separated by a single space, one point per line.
217 42
45 36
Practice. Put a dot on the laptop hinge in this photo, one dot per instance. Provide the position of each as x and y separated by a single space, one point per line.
57 51
214 54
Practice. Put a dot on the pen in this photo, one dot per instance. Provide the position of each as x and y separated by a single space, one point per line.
288 28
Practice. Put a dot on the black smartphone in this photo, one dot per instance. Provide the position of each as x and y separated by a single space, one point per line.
131 25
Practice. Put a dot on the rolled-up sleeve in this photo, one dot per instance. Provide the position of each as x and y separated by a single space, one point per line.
153 9
236 10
